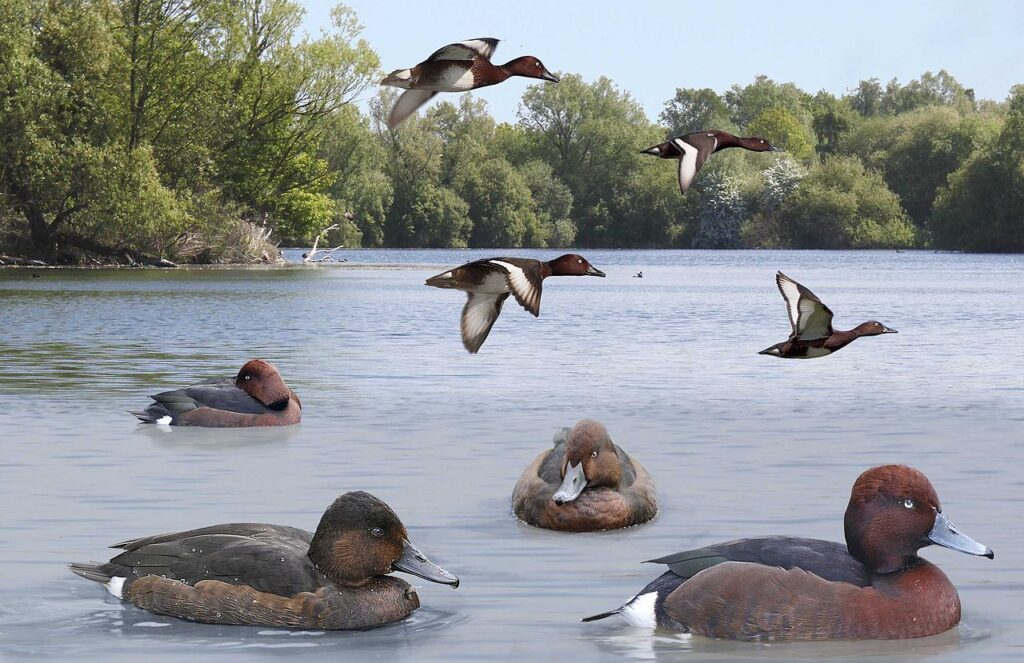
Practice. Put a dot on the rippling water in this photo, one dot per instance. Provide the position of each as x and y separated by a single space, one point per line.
738 444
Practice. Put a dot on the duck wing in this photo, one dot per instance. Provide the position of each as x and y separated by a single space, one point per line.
478 316
826 559
695 147
218 394
524 280
266 557
810 318
466 50
407 104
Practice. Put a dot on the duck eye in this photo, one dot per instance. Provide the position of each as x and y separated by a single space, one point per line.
594 454
909 503
580 261
377 532
247 377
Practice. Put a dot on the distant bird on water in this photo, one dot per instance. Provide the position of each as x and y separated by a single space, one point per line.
693 149
459 67
489 282
813 335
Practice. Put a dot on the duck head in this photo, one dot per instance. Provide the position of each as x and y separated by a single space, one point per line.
755 144
260 379
872 328
573 265
360 537
894 512
530 67
590 462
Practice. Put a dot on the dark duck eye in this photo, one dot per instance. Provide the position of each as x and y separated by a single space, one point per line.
377 532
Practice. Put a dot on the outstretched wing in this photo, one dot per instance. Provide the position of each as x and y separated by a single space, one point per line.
478 316
407 104
466 50
524 282
810 318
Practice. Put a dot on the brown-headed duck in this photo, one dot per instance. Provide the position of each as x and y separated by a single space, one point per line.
464 65
693 149
780 588
585 483
257 396
273 575
812 334
489 282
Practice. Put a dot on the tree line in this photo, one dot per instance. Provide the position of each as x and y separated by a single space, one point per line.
199 130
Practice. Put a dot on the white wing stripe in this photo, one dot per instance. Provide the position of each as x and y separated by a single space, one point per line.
687 164
519 283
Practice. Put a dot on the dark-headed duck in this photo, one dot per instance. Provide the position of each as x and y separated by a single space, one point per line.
272 575
464 65
693 149
585 483
489 282
779 588
812 334
257 396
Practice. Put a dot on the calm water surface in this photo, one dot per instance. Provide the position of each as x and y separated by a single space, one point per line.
738 444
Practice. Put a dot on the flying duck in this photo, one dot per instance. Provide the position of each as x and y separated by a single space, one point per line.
489 282
256 396
464 65
813 335
693 149
875 587
273 575
585 483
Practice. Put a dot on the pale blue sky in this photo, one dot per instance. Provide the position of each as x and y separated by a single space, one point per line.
651 48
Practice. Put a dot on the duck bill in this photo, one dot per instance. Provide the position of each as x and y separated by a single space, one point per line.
414 562
594 271
775 148
548 76
888 330
946 534
572 485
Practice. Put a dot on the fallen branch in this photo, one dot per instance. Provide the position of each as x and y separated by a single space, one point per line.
311 256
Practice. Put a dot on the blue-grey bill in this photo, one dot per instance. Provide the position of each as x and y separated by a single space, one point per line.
414 562
946 534
572 485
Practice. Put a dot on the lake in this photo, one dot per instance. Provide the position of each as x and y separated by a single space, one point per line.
738 444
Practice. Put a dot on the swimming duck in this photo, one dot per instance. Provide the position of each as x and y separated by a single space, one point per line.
584 484
489 282
780 588
464 65
257 396
813 335
273 575
693 149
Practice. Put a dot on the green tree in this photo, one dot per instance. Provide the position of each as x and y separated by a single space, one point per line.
749 101
695 110
783 129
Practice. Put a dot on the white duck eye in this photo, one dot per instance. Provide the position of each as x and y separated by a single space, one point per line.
593 454
247 377
377 532
580 261
909 503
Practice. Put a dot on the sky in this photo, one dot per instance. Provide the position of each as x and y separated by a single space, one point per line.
652 48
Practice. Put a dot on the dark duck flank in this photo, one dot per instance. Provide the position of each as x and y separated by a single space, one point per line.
813 335
459 67
876 587
693 149
585 483
489 282
257 396
273 575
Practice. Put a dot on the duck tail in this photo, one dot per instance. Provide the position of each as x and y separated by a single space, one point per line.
399 78
90 571
772 351
152 414
445 280
603 615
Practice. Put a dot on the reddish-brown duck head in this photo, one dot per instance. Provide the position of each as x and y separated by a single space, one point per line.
591 461
260 379
572 264
894 512
530 67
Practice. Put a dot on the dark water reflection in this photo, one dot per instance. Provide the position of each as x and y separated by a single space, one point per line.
738 444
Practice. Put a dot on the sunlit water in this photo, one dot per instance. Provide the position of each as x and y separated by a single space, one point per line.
739 444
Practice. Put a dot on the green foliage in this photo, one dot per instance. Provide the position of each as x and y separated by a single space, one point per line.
841 205
750 101
982 209
722 212
696 110
783 130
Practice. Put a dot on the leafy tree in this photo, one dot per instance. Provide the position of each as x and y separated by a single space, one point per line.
748 102
982 208
721 213
832 119
783 129
696 110
867 98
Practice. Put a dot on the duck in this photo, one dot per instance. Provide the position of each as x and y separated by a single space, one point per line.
459 67
813 335
876 587
273 575
694 148
490 281
256 396
585 483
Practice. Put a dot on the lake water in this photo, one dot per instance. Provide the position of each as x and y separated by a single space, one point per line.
739 444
